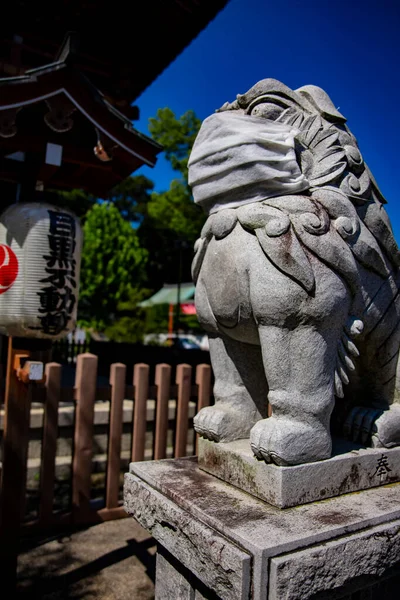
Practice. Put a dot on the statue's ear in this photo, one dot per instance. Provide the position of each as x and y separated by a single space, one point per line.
228 106
321 101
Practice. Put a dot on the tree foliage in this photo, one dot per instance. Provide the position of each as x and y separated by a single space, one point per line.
138 239
173 219
130 322
112 264
172 226
177 136
174 211
131 198
77 201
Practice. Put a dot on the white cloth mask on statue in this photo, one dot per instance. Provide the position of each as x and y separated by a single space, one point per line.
238 159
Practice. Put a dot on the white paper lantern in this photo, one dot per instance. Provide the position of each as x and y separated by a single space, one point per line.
40 253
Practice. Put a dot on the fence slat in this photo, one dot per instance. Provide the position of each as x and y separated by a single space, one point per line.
163 383
117 382
49 445
13 474
141 392
183 381
85 394
203 381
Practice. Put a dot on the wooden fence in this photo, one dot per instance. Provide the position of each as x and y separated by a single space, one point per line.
66 352
83 395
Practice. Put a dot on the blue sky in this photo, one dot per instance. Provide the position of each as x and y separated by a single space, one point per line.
349 48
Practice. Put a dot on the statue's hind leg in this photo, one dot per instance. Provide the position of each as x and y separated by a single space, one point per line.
375 418
240 391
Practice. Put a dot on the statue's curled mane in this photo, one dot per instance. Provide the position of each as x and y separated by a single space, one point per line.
343 202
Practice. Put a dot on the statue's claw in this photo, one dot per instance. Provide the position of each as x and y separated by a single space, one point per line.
224 422
267 456
260 454
256 452
287 442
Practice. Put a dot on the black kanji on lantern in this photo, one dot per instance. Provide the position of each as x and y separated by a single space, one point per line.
59 277
51 299
57 297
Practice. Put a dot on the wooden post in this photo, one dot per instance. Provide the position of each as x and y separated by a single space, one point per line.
17 405
184 383
49 444
170 321
141 394
85 395
163 383
117 382
203 381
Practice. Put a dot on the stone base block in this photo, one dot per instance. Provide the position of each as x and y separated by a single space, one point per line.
351 469
219 543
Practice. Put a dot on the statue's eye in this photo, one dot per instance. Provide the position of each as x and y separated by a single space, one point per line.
266 110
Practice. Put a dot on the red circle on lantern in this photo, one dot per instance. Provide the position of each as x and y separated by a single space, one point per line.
8 267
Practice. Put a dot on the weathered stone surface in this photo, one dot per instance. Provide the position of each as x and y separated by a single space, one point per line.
355 470
178 493
174 581
170 584
220 565
297 277
355 560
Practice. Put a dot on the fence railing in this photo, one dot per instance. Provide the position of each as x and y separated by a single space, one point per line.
191 386
66 351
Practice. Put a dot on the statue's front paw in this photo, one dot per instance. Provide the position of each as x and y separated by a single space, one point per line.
288 442
223 423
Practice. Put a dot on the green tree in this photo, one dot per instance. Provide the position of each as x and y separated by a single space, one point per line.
131 198
77 201
173 221
130 322
174 211
177 136
168 223
166 226
113 265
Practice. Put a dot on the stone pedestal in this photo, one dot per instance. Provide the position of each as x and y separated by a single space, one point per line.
352 468
218 542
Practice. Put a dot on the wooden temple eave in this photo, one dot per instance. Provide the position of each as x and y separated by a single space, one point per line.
111 49
45 83
58 132
33 171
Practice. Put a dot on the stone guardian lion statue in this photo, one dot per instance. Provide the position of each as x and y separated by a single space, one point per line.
297 277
